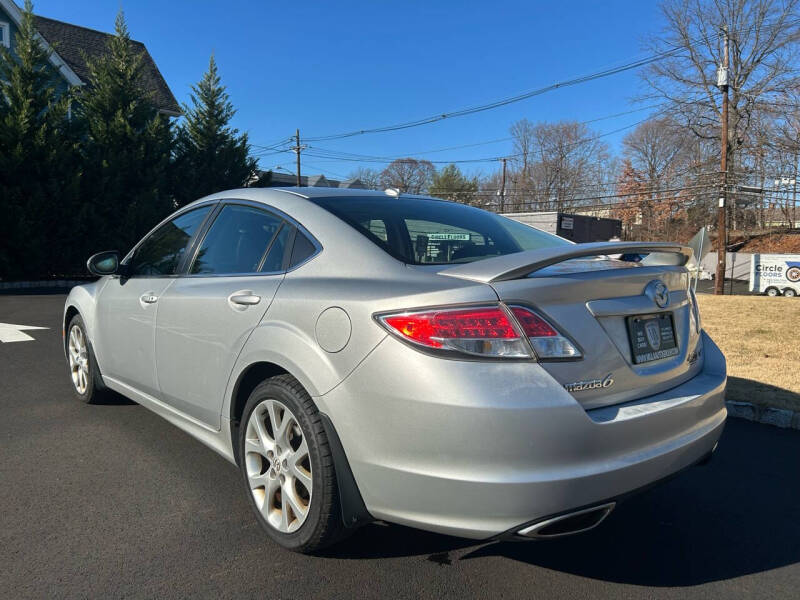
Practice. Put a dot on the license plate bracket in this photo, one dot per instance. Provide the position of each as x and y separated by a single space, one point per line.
652 337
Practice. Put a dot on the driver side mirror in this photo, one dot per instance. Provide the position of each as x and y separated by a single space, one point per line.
104 263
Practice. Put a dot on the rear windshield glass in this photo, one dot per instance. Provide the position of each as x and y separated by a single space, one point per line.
422 231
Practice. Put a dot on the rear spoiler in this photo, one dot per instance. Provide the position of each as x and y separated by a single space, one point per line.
520 264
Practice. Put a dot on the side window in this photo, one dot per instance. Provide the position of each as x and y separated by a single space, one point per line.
274 260
5 34
236 241
162 251
303 248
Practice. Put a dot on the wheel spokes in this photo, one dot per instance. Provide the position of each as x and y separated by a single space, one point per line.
299 466
78 356
278 465
254 445
279 418
290 499
264 439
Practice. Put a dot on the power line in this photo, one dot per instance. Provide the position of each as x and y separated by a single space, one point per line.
332 155
272 146
339 155
635 64
509 138
499 103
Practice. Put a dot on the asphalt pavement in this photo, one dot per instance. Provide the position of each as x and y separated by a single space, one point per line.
111 501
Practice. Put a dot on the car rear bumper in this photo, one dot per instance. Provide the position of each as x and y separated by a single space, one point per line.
480 449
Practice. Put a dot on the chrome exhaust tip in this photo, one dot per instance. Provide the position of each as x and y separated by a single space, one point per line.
568 524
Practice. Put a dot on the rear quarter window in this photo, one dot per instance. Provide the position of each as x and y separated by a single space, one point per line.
303 249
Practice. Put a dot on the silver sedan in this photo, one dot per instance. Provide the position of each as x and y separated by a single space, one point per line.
362 356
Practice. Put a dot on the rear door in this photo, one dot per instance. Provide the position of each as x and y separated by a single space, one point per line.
206 316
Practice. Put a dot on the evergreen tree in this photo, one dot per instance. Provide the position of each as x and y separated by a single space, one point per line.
38 168
209 155
126 148
450 183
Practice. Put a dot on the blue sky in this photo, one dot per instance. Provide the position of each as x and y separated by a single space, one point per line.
328 67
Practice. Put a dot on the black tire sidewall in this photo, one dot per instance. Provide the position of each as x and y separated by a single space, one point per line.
302 539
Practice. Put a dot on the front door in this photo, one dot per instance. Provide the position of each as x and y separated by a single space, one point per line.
206 316
128 304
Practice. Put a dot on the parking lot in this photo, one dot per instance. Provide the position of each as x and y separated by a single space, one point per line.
112 501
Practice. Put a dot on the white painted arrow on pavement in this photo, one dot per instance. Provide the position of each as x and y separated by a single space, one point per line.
14 333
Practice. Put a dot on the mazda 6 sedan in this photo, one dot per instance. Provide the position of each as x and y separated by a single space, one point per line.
362 355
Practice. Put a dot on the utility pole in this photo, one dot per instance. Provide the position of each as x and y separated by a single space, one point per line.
297 149
793 212
503 188
722 233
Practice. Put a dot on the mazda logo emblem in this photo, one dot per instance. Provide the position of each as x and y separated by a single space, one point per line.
658 292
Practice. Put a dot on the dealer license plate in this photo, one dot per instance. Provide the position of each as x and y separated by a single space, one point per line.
652 337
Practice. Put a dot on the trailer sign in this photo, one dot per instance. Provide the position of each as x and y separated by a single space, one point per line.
775 274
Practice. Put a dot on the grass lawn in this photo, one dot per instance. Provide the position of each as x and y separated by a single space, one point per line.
759 337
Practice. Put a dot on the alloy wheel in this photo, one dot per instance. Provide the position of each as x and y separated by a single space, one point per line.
278 465
78 353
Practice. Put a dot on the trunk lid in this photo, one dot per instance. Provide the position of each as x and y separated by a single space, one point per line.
589 299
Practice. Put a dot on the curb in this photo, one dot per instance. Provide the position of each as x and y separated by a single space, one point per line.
778 417
48 284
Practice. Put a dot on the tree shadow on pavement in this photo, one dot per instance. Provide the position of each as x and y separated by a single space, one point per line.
763 394
736 516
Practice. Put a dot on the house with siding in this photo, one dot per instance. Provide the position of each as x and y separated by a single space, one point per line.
72 45
273 179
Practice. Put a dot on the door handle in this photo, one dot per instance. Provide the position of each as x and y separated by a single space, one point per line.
148 298
244 298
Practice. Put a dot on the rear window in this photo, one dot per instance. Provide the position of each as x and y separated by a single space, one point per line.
422 231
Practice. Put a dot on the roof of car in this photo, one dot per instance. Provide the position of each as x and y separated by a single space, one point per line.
323 192
278 196
326 192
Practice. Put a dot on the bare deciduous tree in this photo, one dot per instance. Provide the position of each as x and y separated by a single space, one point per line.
763 61
654 150
655 147
566 159
369 177
409 175
522 134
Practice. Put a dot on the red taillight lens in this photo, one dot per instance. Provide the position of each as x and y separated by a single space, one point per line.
430 327
481 331
532 323
547 342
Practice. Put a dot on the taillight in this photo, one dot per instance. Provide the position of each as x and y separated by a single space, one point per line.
477 331
547 342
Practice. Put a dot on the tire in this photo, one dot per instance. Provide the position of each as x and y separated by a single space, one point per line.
276 486
772 292
789 292
87 384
